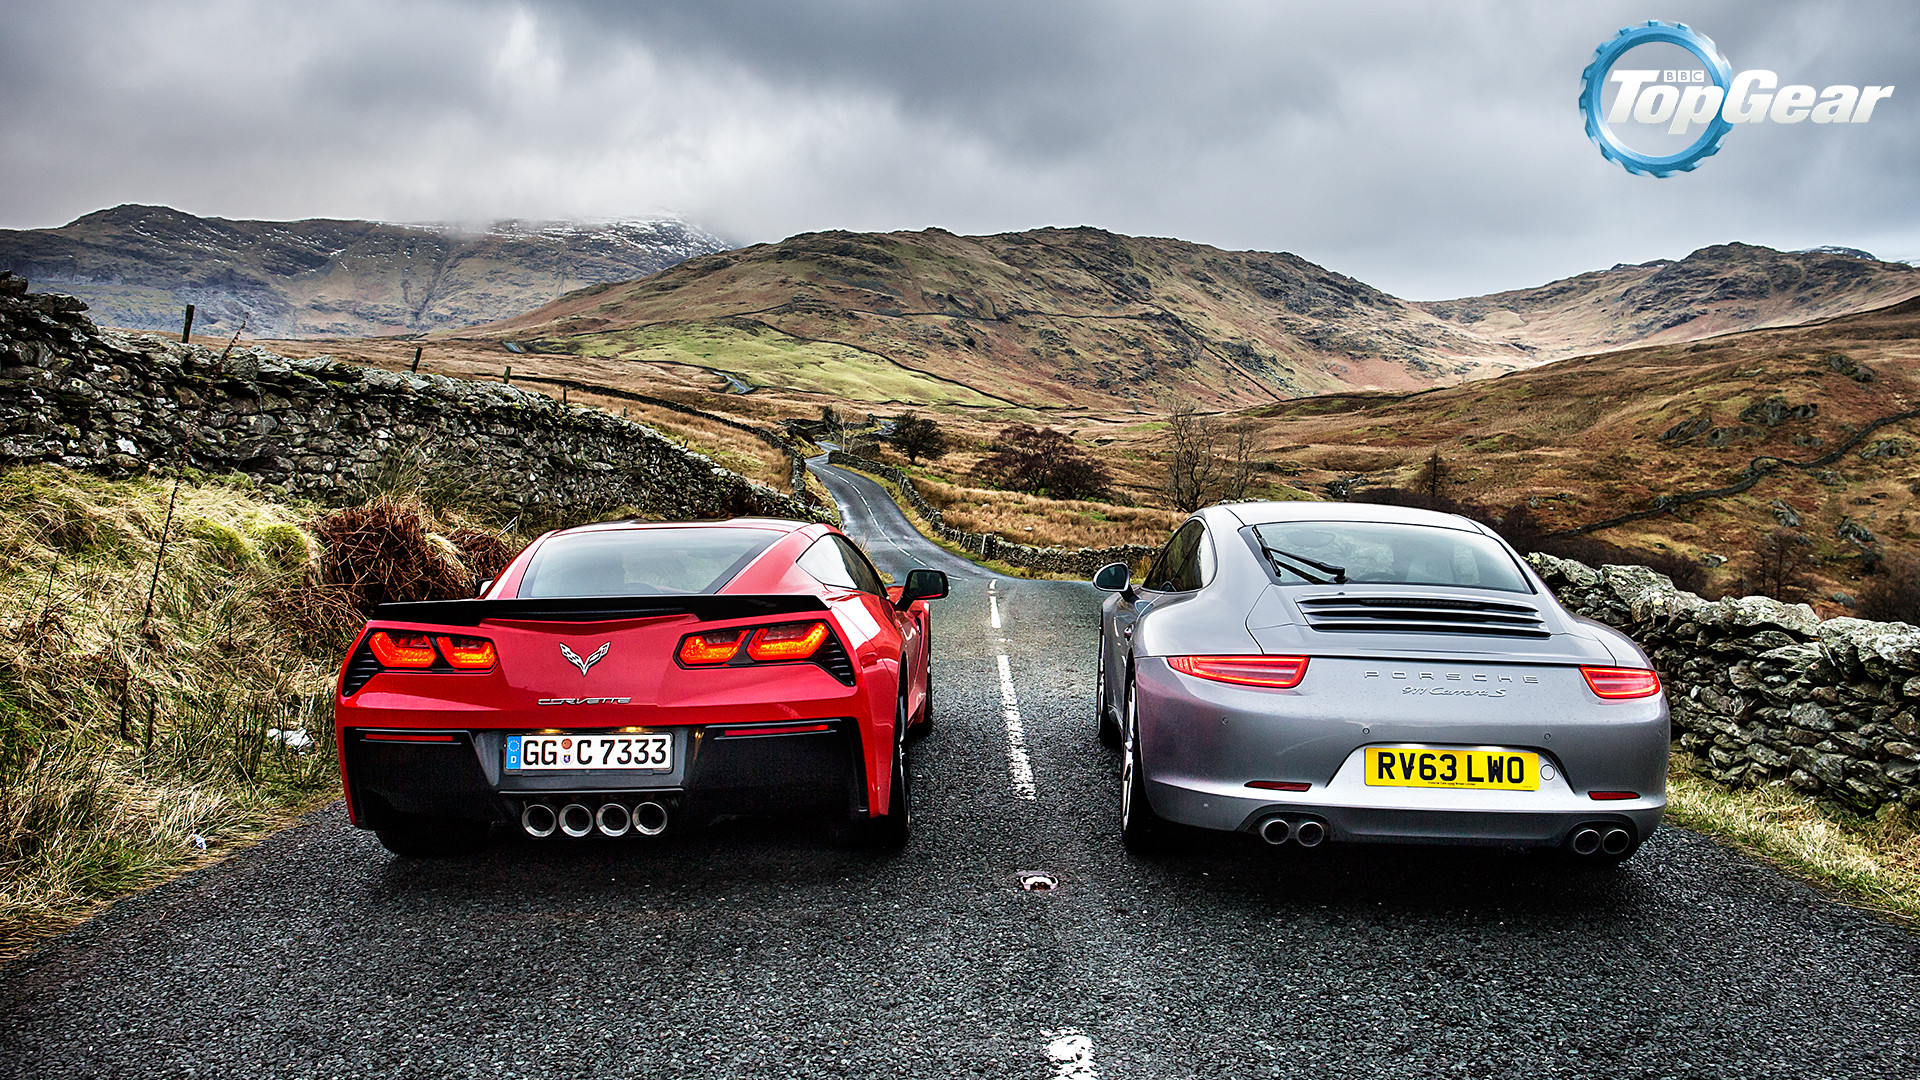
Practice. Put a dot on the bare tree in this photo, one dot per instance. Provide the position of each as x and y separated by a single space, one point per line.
1433 477
1207 459
1780 563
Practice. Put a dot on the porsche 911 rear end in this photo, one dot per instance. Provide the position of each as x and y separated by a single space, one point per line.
1403 678
604 715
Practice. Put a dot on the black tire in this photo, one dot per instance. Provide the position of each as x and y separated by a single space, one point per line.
414 836
1141 830
890 830
1109 729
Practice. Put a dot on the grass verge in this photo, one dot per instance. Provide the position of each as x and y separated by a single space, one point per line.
925 529
1871 863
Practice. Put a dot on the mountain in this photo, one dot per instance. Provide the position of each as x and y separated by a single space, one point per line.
1082 318
1715 290
138 266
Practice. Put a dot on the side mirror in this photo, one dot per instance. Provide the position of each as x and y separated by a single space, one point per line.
922 585
1111 577
484 586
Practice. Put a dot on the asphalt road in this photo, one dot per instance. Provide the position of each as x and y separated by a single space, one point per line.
756 948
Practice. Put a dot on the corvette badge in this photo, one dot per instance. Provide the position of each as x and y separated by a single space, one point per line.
599 654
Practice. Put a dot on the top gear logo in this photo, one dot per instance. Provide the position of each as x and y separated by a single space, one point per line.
1651 86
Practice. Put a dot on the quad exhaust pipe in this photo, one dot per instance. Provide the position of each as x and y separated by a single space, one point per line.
1308 833
540 820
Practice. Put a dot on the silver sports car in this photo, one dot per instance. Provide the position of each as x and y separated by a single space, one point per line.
1341 671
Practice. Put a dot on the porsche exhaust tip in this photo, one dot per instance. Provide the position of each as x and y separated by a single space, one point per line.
576 820
1309 834
612 819
538 820
1586 840
1276 831
1616 841
649 819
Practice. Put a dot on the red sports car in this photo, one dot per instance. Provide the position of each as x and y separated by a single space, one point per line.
617 676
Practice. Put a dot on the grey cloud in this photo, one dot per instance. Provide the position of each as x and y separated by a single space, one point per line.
1429 149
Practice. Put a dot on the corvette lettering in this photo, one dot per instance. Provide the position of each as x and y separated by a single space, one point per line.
586 701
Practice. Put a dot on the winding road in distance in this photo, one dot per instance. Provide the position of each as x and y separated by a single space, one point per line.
757 949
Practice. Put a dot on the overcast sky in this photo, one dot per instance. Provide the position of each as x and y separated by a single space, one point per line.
1431 149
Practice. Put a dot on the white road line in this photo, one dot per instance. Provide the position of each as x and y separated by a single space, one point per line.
1019 766
993 609
1071 1053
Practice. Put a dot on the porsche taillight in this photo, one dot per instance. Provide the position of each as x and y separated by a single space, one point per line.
712 647
467 653
1269 672
1618 684
399 649
788 641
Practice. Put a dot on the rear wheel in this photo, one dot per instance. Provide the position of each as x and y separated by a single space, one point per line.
889 830
1109 730
416 836
1141 830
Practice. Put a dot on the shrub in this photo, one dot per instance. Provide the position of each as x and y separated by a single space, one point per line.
1894 593
1042 461
383 553
918 437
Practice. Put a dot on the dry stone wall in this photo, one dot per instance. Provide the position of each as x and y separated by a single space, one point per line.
1052 560
73 395
1768 692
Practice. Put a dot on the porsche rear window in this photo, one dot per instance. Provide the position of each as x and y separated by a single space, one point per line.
642 562
1386 553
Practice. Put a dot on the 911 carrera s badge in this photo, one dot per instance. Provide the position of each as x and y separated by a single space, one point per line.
599 654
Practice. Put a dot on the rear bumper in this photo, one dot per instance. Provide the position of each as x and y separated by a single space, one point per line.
719 768
1202 743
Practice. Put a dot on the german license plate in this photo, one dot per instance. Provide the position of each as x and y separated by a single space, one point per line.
648 752
1503 770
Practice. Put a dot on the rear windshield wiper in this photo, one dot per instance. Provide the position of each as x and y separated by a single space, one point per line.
1283 560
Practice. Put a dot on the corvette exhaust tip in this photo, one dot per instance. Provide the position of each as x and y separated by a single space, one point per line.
613 819
1276 831
1309 834
576 820
1616 841
649 819
1585 840
538 820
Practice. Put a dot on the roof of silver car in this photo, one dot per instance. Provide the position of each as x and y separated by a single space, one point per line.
1268 513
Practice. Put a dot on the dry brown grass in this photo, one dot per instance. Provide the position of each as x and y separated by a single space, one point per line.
1035 519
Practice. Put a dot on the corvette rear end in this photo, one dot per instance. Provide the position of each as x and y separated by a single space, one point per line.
569 716
1326 683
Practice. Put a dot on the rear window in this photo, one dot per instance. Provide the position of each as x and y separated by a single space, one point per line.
641 562
1384 553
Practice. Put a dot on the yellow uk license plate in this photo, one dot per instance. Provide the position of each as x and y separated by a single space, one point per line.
1503 770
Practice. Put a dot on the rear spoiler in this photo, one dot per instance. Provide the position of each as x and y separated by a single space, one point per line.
706 607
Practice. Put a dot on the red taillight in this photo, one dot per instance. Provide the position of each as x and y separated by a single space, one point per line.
1279 785
714 647
1613 796
788 641
1615 683
467 653
1273 672
401 650
773 729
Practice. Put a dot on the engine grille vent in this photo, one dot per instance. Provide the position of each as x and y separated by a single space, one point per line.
1421 615
833 657
362 668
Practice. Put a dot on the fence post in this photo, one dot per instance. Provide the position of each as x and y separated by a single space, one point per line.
187 330
416 359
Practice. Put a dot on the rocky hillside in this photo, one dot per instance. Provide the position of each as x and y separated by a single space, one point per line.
1715 290
1089 319
138 266
1049 317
